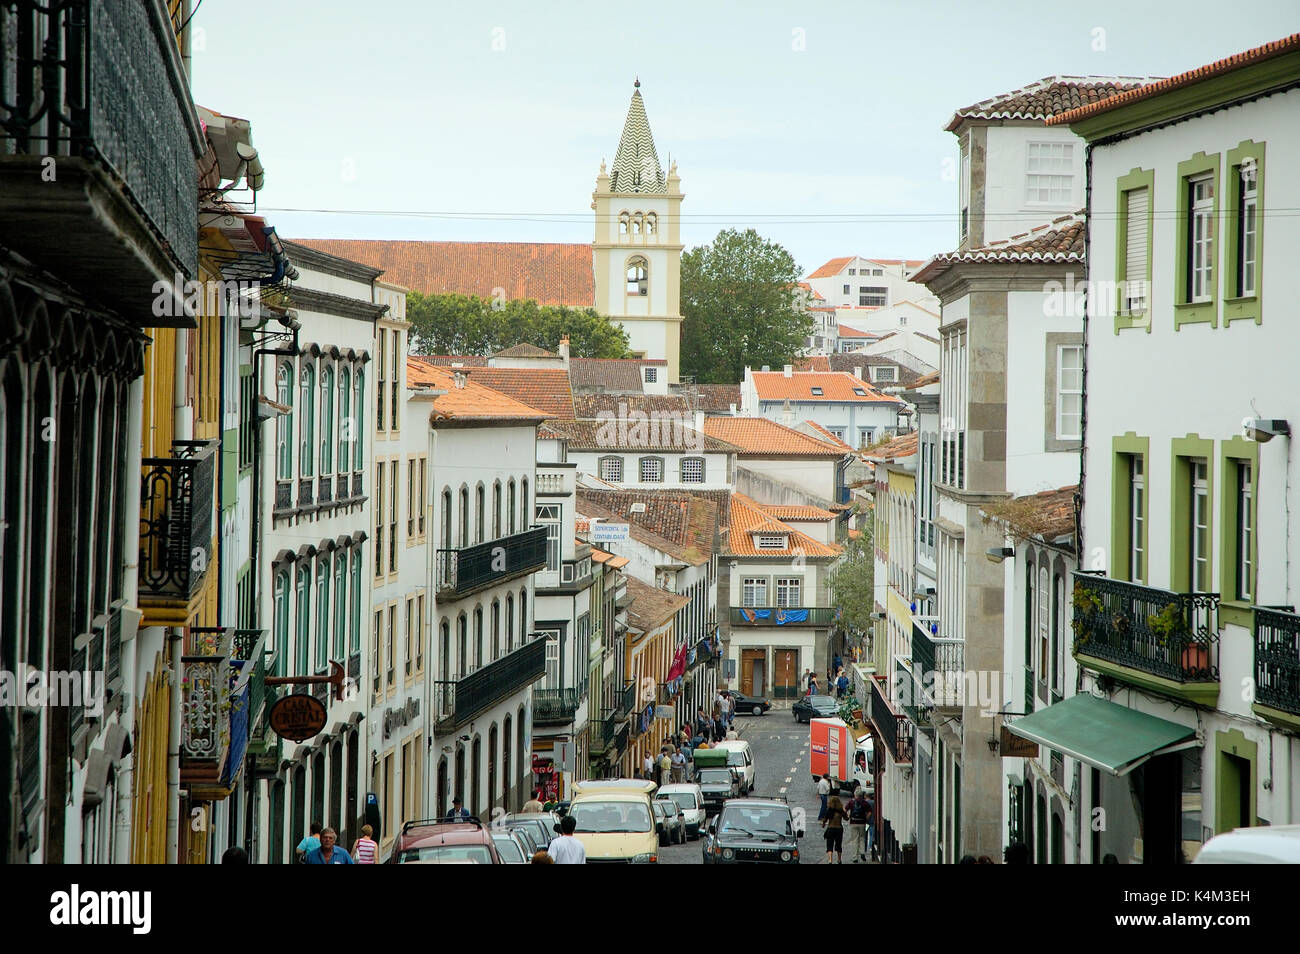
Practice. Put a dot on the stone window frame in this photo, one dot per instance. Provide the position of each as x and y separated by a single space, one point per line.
1055 340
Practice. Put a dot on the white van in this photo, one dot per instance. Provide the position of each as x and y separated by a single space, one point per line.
1278 845
740 756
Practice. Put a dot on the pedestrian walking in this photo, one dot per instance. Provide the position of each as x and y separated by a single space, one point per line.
679 767
823 792
833 825
732 734
842 685
665 768
564 848
328 853
703 725
366 850
534 804
311 842
458 810
728 708
857 827
648 767
812 685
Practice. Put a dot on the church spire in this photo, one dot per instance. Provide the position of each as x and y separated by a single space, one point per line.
636 164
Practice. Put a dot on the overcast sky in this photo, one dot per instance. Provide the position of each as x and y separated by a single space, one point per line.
818 123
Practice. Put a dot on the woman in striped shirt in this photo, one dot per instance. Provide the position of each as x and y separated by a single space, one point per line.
365 850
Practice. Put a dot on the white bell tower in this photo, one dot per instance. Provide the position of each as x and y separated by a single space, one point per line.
637 249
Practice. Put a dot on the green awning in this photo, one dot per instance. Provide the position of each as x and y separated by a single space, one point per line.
1105 735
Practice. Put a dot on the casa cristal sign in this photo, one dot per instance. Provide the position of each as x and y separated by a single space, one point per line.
297 717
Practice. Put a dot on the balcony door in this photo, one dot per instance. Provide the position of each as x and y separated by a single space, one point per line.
785 674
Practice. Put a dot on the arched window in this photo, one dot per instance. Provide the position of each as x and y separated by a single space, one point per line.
638 276
346 424
281 622
462 646
303 634
496 630
636 223
523 616
651 223
623 222
496 509
507 779
356 600
444 647
446 518
463 533
307 446
284 423
480 513
478 637
510 622
510 504
340 604
322 613
358 432
327 420
525 515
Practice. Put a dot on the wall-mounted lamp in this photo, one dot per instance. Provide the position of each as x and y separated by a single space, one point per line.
1262 430
998 554
993 743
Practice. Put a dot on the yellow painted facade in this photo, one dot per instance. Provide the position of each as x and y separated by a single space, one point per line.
149 799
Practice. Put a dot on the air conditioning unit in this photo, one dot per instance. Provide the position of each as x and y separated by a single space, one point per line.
638 508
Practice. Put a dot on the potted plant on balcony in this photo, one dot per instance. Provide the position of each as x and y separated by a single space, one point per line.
1088 607
1170 629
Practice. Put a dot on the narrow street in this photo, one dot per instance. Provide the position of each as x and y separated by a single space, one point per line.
781 758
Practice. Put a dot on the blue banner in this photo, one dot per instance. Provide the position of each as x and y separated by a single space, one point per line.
784 616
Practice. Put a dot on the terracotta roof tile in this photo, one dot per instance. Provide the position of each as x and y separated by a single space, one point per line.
451 360
816 362
836 387
924 380
896 449
587 407
684 525
717 398
844 331
550 273
847 362
525 350
759 437
1061 240
1049 514
546 389
833 267
789 512
673 435
1050 96
610 374
827 436
1228 64
651 607
471 402
748 518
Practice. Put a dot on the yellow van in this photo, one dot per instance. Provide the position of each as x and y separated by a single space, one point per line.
588 785
616 825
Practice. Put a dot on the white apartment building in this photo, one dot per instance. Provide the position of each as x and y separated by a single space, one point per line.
852 281
655 451
848 407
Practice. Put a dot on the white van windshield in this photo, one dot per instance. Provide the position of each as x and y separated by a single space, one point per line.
736 758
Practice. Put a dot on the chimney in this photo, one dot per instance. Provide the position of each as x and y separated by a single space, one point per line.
733 410
699 421
857 373
767 367
564 350
460 377
787 415
789 370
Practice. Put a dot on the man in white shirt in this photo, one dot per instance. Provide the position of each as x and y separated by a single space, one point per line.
564 848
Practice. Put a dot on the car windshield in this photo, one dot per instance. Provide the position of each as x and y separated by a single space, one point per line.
475 854
508 849
610 817
539 828
824 702
684 800
736 758
714 776
757 821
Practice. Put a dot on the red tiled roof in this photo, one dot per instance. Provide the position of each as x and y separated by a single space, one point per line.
673 435
546 389
846 332
748 518
828 436
525 350
610 374
651 607
847 361
1228 64
678 523
550 273
1060 240
797 512
589 407
924 380
471 402
450 360
836 387
896 449
833 267
759 437
1050 96
816 362
717 398
1049 514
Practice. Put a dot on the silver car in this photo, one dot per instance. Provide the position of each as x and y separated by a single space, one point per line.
669 822
512 847
690 800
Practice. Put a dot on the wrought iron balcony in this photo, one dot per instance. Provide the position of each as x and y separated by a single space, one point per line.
627 700
468 569
325 493
460 700
283 495
344 490
555 706
1277 666
177 520
98 86
1155 638
605 733
895 728
782 615
938 663
305 487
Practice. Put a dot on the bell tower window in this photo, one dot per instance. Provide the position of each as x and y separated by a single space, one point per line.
637 277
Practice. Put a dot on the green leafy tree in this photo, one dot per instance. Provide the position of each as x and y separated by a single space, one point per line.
739 307
853 582
466 324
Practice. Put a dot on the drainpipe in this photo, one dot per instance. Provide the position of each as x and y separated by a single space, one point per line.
175 642
130 654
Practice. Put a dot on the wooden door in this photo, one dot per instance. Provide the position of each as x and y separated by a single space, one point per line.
748 659
785 675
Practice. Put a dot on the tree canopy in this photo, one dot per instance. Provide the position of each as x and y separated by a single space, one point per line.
739 307
853 581
466 324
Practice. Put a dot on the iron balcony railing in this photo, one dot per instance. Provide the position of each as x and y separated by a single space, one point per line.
1277 659
555 706
459 700
467 569
782 615
894 728
102 81
938 663
177 505
205 703
608 730
1171 635
627 700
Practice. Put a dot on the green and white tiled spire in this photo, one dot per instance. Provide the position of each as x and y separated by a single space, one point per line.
636 165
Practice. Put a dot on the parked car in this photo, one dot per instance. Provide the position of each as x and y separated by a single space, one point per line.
717 785
815 707
669 823
512 846
616 826
541 825
528 837
740 756
754 705
690 800
753 831
436 841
